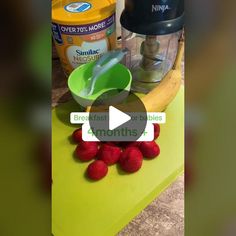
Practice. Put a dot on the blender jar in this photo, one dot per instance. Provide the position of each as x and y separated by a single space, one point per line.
149 57
150 31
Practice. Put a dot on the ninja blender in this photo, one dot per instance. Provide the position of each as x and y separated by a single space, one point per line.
150 31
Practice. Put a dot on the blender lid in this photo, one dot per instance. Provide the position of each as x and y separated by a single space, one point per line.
153 17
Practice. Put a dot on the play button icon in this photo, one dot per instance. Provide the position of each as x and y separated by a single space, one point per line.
117 118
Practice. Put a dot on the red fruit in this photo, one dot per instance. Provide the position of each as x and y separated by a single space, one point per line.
129 144
131 159
149 149
97 170
109 154
133 144
110 143
156 131
77 135
86 151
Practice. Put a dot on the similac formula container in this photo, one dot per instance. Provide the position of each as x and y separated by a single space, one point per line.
83 31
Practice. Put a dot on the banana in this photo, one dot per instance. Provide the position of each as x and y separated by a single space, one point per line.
158 99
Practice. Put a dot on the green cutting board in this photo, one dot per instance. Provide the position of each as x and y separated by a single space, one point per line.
84 208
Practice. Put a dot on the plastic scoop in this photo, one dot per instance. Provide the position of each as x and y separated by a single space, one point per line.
106 62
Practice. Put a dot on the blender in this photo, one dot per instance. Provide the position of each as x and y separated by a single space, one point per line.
150 31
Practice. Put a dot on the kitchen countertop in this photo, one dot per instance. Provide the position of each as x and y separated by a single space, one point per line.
165 215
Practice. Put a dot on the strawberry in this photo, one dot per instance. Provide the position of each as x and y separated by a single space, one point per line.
86 151
149 149
109 154
111 143
129 144
131 159
77 135
156 131
97 170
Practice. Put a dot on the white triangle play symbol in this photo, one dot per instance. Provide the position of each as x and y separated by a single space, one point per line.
117 118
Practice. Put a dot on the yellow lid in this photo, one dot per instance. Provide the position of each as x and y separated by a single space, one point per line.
81 12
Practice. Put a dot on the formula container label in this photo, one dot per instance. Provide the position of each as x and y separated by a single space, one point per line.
87 29
86 53
80 44
56 33
77 7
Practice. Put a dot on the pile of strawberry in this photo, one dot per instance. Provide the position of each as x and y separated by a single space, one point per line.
129 155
